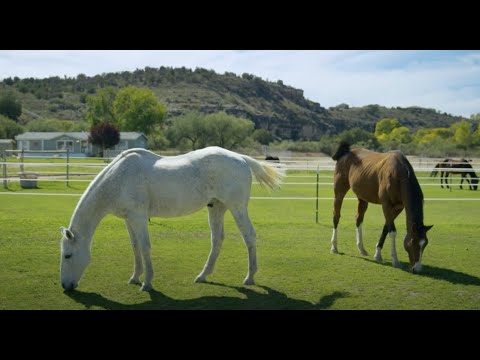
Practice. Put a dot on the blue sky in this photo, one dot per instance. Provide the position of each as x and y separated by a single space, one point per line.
446 80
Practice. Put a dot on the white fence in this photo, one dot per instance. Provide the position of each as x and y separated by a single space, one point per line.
317 166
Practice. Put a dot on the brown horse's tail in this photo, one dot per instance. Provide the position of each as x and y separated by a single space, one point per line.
343 149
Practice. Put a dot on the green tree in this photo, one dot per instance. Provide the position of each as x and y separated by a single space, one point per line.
9 128
360 137
105 135
475 117
10 106
262 136
463 134
401 134
426 136
192 127
100 107
138 109
384 127
157 140
228 131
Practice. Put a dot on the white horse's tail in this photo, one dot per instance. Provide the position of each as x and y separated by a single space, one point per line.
266 174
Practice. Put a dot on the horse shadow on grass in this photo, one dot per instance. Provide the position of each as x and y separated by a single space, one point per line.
437 273
271 300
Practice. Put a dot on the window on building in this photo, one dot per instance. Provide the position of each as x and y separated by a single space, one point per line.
64 145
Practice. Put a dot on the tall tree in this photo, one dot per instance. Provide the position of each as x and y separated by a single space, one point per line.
475 117
228 131
191 127
262 136
9 128
401 134
463 134
10 106
100 107
384 127
138 109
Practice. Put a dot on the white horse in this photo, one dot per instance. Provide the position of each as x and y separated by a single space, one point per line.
139 184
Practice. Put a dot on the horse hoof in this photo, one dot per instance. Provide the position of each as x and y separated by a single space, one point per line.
334 251
134 281
364 253
378 259
248 282
200 279
396 264
146 287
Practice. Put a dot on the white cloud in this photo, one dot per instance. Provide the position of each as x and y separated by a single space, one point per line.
444 80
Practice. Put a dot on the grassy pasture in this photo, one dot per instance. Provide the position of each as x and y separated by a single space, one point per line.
296 269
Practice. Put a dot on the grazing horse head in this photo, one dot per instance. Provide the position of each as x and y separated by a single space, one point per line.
465 164
75 256
415 243
474 181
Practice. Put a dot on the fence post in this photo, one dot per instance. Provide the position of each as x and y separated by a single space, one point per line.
68 167
316 201
4 167
22 167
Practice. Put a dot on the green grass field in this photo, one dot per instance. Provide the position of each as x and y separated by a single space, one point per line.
296 269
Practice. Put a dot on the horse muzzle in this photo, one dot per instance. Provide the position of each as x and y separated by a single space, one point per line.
416 268
68 286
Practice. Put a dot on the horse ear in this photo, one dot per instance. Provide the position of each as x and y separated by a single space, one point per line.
414 228
67 233
428 227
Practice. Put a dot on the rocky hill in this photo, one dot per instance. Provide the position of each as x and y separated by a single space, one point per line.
275 106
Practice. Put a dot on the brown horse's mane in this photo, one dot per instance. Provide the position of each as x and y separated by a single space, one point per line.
343 149
415 195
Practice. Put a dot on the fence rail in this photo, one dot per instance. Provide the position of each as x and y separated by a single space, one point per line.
314 165
288 198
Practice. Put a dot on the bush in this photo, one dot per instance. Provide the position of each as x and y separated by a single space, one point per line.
105 135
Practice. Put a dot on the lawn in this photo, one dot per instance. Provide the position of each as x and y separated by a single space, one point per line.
296 269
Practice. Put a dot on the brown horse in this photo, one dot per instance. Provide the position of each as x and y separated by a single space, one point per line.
387 179
451 166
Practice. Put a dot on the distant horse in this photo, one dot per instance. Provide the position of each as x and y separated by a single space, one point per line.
138 184
272 158
387 179
451 166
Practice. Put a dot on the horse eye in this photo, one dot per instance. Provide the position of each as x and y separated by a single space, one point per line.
68 256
